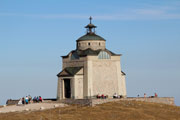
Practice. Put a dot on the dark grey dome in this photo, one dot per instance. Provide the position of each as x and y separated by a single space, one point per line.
89 36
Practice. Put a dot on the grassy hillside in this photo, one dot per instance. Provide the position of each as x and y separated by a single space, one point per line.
122 110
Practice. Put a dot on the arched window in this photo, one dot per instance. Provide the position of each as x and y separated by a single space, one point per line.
104 55
99 44
89 44
74 56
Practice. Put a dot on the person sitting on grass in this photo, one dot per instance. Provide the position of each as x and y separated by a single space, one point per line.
102 96
120 96
98 96
20 102
115 95
34 99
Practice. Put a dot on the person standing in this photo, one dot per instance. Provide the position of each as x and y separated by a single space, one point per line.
155 94
40 99
29 98
26 99
23 100
144 95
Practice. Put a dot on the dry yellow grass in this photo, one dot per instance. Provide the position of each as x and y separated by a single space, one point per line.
122 110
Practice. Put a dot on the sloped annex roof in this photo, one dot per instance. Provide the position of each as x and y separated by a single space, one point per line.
69 71
89 51
123 73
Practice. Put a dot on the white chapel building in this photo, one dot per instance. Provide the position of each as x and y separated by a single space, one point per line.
90 69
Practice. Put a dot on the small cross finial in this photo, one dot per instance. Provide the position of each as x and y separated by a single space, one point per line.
90 27
90 18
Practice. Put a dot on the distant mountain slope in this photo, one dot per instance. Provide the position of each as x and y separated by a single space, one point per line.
121 110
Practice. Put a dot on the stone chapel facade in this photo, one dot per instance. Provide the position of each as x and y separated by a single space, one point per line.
90 69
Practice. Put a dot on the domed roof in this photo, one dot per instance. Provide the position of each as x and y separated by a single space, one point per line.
90 33
90 36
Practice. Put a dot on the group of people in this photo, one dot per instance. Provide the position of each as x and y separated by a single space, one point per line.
37 99
106 96
102 96
117 96
155 95
28 99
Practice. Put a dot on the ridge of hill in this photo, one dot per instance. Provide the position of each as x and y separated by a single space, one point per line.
120 110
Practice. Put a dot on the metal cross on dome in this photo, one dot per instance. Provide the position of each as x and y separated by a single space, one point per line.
90 27
90 18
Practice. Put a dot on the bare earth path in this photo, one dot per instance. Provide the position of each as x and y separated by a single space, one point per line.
30 107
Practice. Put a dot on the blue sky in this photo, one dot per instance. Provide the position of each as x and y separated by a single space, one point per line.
34 34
